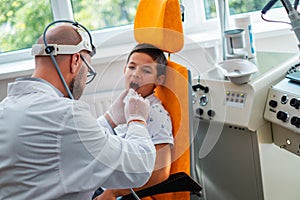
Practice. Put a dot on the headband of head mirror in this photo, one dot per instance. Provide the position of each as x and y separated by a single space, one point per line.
85 44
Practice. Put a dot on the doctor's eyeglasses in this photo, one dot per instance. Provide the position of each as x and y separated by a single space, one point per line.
91 71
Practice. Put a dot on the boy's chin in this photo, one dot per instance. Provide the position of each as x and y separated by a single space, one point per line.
143 93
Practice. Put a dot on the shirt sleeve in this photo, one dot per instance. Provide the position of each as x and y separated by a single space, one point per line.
160 125
90 157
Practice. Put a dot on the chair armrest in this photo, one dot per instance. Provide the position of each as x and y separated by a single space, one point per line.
178 182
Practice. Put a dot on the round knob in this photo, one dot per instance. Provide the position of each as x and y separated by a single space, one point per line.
273 103
203 100
199 111
295 103
295 121
211 113
284 99
283 116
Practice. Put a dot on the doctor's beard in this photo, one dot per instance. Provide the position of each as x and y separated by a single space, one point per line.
77 84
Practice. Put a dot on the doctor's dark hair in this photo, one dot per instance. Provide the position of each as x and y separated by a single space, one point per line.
155 53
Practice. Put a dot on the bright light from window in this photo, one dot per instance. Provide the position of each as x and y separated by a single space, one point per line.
237 6
100 14
22 22
210 9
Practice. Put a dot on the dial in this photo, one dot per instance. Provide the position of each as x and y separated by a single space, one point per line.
283 116
203 100
295 103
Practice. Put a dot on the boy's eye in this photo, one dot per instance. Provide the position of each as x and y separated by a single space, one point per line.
131 67
146 71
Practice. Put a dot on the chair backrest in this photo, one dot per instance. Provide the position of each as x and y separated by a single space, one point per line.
174 96
158 22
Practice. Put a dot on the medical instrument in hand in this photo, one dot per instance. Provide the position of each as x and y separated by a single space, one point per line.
55 49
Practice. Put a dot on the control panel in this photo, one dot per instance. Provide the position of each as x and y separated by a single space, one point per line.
283 105
206 105
222 101
283 111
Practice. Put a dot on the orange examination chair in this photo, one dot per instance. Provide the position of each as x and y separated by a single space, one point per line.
159 22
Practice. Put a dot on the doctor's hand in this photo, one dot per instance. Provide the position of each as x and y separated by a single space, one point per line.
136 107
115 112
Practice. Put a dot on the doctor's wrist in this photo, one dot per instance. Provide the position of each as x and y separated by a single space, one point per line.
109 120
137 121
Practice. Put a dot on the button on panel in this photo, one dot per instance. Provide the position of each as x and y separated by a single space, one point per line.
273 103
211 113
283 116
235 99
295 102
284 99
203 100
295 121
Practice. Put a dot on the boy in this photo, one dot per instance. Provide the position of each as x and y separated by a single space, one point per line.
145 69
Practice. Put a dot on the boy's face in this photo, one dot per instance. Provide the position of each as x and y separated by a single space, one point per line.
141 74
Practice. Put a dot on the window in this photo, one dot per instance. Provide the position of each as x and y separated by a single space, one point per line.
237 6
22 22
210 9
100 14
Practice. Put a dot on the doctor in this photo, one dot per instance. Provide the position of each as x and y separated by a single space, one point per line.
51 147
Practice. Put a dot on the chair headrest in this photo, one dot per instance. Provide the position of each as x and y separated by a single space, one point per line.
158 22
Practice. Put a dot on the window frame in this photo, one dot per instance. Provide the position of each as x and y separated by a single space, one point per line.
195 22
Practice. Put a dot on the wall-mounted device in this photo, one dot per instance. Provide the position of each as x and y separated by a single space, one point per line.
283 110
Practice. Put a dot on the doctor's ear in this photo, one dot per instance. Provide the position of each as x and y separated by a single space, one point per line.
75 62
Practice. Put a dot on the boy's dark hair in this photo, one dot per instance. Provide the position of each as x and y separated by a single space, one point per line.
155 53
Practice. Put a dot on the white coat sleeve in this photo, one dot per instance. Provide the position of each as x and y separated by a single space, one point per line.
91 158
102 121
